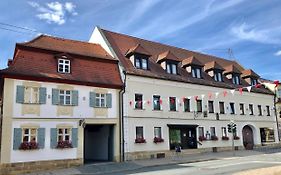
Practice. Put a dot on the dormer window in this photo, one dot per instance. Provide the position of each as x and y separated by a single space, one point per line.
218 76
139 57
171 68
254 81
141 62
235 79
63 66
196 72
193 66
250 77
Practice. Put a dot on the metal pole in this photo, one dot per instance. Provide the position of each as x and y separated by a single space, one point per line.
232 139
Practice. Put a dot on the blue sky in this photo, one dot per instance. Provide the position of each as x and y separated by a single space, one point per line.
252 29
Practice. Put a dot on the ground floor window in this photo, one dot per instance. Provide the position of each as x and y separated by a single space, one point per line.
64 134
267 135
139 135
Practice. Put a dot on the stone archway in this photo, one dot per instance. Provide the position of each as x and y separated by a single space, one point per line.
248 137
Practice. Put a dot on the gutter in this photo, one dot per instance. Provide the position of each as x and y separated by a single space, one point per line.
275 111
121 114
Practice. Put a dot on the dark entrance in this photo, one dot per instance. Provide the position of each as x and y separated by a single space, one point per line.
248 140
98 143
183 135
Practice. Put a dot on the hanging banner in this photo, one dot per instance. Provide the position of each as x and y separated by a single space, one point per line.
217 94
240 91
232 91
210 95
249 88
224 93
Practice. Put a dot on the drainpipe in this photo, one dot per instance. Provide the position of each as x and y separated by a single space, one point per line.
275 111
121 114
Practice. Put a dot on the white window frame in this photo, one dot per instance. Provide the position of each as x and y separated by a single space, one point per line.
236 79
65 95
64 64
196 72
143 136
218 76
31 91
29 134
171 68
230 109
214 131
251 112
254 81
203 134
223 132
64 134
158 127
100 97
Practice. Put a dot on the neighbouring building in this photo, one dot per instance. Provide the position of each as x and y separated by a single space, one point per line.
60 104
176 97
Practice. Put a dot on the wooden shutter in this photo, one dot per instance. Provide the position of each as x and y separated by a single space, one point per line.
55 96
54 140
74 137
108 100
20 94
17 138
92 99
75 98
41 137
42 95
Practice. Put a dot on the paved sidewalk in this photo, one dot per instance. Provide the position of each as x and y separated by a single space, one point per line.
102 168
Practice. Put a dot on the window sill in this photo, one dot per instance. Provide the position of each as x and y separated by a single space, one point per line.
32 103
159 110
101 107
173 111
137 109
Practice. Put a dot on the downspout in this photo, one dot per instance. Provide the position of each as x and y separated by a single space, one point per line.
275 111
121 114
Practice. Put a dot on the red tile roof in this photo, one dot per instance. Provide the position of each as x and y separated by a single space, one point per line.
191 61
168 55
30 62
137 49
249 73
231 69
212 65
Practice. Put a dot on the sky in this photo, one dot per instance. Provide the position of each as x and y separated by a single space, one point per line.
243 30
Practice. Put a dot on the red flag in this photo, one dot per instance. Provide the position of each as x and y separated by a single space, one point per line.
224 93
241 91
276 82
210 95
148 102
258 85
196 98
160 101
130 103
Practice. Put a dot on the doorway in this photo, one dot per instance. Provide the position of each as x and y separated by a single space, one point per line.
182 135
98 143
248 139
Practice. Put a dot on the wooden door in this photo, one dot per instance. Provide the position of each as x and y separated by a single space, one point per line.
248 140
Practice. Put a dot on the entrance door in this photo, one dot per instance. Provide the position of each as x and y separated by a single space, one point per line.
183 135
191 138
248 140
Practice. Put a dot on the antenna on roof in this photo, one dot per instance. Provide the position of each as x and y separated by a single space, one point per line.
230 53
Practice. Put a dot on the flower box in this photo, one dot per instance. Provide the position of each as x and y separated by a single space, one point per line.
29 145
236 138
225 138
140 140
202 138
64 144
158 140
214 138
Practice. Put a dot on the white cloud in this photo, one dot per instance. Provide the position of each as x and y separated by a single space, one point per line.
54 12
278 53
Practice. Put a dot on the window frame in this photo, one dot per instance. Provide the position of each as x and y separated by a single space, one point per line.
142 132
199 103
175 104
223 131
30 90
99 99
169 67
212 127
196 71
212 106
202 130
138 103
65 95
242 111
268 110
157 105
222 110
64 134
141 59
217 77
232 108
186 105
160 131
251 109
236 79
259 110
29 135
64 65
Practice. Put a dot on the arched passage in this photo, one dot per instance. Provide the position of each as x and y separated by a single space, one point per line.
248 137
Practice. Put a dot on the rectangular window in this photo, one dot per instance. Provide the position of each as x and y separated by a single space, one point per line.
139 132
65 97
211 106
242 112
171 68
63 66
173 102
199 105
31 95
260 110
223 132
268 110
141 63
213 131
29 135
157 132
251 109
137 63
218 76
100 100
221 104
156 102
232 108
201 131
196 72
64 134
236 79
138 101
186 102
254 82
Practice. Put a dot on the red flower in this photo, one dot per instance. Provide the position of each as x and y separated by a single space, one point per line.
29 145
158 140
215 138
202 138
236 138
140 140
64 144
225 138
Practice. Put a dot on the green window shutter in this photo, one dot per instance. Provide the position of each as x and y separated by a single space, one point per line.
108 100
42 95
75 98
74 137
92 100
41 137
17 138
55 96
54 141
20 94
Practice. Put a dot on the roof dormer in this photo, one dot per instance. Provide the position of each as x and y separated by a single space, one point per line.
232 73
138 56
193 66
214 70
64 61
169 62
250 77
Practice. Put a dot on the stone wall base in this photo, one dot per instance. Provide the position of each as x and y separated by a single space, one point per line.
36 166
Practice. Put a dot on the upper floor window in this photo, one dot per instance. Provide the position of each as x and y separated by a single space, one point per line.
173 102
236 79
196 72
63 66
211 106
232 108
221 105
31 95
100 100
138 101
218 76
29 135
268 110
242 112
156 102
199 105
186 103
251 108
259 109
65 97
171 68
141 63
254 81
213 131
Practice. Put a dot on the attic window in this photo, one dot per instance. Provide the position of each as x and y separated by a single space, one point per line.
63 66
218 75
171 68
196 72
254 81
141 62
236 79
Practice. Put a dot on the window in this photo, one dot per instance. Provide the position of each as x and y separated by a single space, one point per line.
199 105
242 112
29 135
221 104
254 81
31 95
259 109
100 100
64 134
139 132
141 63
279 93
173 106
196 72
232 108
251 108
223 132
211 106
213 131
63 66
236 79
218 76
186 103
171 68
138 101
268 110
156 102
65 97
201 131
157 132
